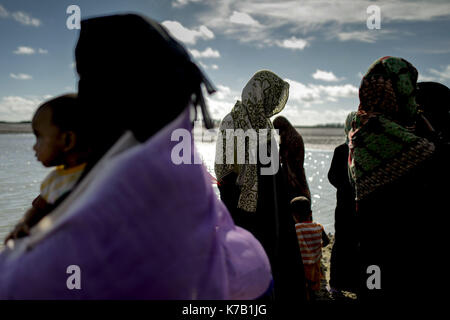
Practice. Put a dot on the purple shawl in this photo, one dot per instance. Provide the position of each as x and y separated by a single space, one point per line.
145 228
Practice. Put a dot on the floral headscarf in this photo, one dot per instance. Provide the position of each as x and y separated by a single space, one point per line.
383 144
264 96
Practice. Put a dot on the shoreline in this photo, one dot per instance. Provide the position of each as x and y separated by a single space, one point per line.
315 138
15 128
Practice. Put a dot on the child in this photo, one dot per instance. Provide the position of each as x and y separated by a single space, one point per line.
311 236
60 143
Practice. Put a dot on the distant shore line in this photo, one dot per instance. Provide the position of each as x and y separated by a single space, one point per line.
329 129
15 127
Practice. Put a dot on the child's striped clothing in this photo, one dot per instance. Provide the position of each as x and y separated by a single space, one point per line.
309 236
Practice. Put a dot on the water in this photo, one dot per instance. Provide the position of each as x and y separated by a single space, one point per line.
20 178
21 175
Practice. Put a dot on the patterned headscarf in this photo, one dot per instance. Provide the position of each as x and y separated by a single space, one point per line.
264 96
383 144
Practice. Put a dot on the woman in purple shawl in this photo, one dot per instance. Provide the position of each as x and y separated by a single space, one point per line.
137 226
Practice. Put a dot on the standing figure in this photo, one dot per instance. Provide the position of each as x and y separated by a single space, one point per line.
257 200
292 156
344 255
393 170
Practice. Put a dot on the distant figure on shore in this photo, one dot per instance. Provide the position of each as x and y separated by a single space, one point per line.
344 254
258 202
311 237
394 171
292 158
60 143
139 224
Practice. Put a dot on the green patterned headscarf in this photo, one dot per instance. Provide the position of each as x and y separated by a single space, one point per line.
383 144
389 88
264 96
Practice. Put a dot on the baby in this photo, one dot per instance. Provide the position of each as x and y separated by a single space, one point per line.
59 143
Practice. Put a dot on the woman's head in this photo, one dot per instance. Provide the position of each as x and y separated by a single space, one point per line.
282 124
58 130
134 76
389 88
265 93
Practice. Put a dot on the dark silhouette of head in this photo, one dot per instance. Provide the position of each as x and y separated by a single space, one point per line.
133 76
301 209
434 100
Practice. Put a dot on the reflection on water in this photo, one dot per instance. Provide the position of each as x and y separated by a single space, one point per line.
21 175
317 164
20 178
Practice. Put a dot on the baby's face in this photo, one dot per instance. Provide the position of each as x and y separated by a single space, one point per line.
49 144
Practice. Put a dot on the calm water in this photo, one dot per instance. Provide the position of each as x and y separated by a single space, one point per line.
21 175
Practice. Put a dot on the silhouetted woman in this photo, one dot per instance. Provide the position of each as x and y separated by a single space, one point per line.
140 224
393 170
258 201
292 157
344 255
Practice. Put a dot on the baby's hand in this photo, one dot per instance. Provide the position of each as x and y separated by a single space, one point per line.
20 230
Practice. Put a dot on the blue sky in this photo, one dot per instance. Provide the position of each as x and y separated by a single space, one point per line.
321 48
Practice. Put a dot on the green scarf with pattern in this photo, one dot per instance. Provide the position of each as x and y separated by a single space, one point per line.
382 140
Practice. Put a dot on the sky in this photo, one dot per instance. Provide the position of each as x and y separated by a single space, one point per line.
321 48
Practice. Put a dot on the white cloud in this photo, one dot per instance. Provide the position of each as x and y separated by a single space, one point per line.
317 94
14 108
188 36
444 74
338 18
24 50
325 76
243 19
363 36
293 43
20 76
206 67
422 78
26 19
436 75
182 3
310 13
3 12
207 53
28 50
222 101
